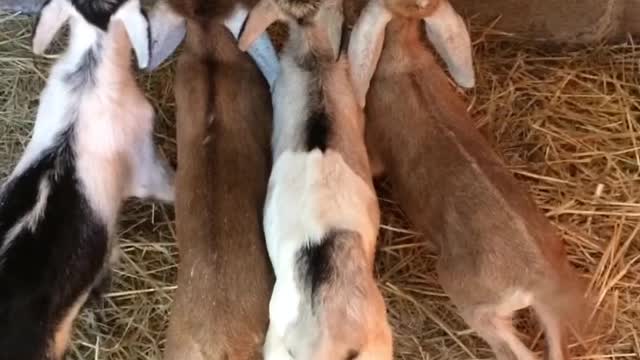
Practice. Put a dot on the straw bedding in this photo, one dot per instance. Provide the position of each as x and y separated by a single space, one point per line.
567 124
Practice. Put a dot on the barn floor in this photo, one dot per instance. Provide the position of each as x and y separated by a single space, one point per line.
567 124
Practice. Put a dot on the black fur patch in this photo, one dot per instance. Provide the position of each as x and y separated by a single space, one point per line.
98 12
318 131
345 36
45 270
84 75
315 262
352 355
101 286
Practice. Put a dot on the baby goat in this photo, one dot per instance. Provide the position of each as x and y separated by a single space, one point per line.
223 123
91 148
321 214
498 253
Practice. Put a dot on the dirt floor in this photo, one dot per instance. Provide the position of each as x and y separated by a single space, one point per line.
567 124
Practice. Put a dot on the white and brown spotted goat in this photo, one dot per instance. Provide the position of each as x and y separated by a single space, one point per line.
91 148
498 253
321 214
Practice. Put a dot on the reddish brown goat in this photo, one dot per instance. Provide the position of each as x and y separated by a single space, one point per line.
498 253
224 119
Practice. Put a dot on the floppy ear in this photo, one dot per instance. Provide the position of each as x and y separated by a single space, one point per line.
265 56
365 46
53 15
236 20
265 13
330 23
168 29
152 175
262 50
450 37
137 26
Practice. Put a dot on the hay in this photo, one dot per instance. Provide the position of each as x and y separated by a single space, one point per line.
568 125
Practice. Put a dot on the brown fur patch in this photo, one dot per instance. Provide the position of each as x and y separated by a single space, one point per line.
225 278
63 331
205 11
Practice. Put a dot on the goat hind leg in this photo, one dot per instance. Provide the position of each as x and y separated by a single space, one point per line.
497 330
555 334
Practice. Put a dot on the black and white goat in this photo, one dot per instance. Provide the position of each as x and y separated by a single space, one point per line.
321 214
91 148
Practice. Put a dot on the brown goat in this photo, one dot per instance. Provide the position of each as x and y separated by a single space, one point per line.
223 130
498 253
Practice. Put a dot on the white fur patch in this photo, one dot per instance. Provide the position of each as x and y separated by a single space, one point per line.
309 194
284 306
52 119
58 100
274 347
37 212
29 220
290 109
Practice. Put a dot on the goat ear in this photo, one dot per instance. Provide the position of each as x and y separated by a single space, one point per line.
262 50
236 20
137 25
449 35
265 13
365 46
152 175
329 27
168 29
53 15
